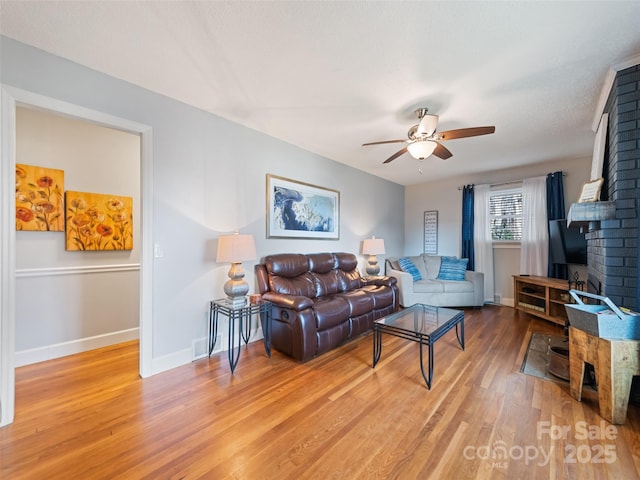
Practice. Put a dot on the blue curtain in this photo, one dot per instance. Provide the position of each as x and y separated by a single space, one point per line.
555 211
467 226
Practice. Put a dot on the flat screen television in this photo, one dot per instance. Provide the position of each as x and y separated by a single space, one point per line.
566 245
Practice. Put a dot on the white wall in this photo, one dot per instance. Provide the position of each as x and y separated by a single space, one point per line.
446 198
66 298
209 179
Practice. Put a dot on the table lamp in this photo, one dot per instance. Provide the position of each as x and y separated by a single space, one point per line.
373 246
236 249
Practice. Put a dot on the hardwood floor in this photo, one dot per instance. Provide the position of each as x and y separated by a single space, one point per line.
91 416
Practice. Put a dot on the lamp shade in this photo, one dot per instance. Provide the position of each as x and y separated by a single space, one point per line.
373 246
236 248
422 149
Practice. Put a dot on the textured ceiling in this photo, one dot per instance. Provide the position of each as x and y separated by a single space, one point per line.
329 76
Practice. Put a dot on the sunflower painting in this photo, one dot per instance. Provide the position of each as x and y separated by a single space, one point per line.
98 222
39 200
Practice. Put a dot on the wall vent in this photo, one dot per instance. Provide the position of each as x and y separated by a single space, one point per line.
199 348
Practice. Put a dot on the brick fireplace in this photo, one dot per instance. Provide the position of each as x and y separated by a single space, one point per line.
613 244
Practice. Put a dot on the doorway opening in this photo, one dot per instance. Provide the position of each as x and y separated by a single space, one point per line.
12 99
78 259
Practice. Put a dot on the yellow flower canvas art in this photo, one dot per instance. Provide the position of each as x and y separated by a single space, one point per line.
39 199
97 221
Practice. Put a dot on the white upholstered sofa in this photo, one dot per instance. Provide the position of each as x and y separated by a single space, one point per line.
430 290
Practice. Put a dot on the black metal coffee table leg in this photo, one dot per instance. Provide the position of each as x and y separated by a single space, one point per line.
377 345
461 335
428 378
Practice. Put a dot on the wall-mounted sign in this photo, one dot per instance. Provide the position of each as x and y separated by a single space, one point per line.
431 232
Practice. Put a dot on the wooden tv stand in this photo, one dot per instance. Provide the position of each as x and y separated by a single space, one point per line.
543 297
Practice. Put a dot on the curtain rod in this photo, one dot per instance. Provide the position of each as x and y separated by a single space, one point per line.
564 174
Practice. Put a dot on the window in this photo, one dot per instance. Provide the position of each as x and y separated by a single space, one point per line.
505 214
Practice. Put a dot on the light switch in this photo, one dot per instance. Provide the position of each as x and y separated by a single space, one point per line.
157 251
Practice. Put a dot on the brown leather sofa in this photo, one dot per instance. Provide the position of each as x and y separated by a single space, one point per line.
320 300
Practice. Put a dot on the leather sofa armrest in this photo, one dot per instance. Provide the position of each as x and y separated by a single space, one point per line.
380 281
292 302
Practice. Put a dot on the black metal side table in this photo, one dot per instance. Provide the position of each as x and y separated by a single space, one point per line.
242 316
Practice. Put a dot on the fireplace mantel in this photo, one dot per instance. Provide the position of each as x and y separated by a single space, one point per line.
582 214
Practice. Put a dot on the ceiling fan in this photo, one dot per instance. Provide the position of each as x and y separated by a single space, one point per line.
425 141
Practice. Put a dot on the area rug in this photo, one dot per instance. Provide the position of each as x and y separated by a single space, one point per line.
535 360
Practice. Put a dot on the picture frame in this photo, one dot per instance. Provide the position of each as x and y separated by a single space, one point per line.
431 232
98 222
591 191
39 198
301 210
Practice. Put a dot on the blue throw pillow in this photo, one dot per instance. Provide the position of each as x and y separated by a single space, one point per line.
407 266
452 268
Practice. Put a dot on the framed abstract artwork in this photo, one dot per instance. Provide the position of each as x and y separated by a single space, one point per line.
301 210
96 221
39 199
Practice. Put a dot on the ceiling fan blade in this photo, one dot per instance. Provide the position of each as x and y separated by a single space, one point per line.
396 155
442 152
384 141
464 132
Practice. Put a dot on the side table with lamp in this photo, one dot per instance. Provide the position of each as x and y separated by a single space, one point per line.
236 249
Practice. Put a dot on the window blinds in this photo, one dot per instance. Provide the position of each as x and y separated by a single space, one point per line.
505 212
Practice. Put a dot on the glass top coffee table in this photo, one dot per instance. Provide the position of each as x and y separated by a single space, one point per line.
419 323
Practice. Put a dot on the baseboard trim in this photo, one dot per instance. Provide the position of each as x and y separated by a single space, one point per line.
187 355
49 352
161 364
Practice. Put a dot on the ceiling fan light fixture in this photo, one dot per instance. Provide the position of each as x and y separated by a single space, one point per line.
427 125
422 149
423 141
